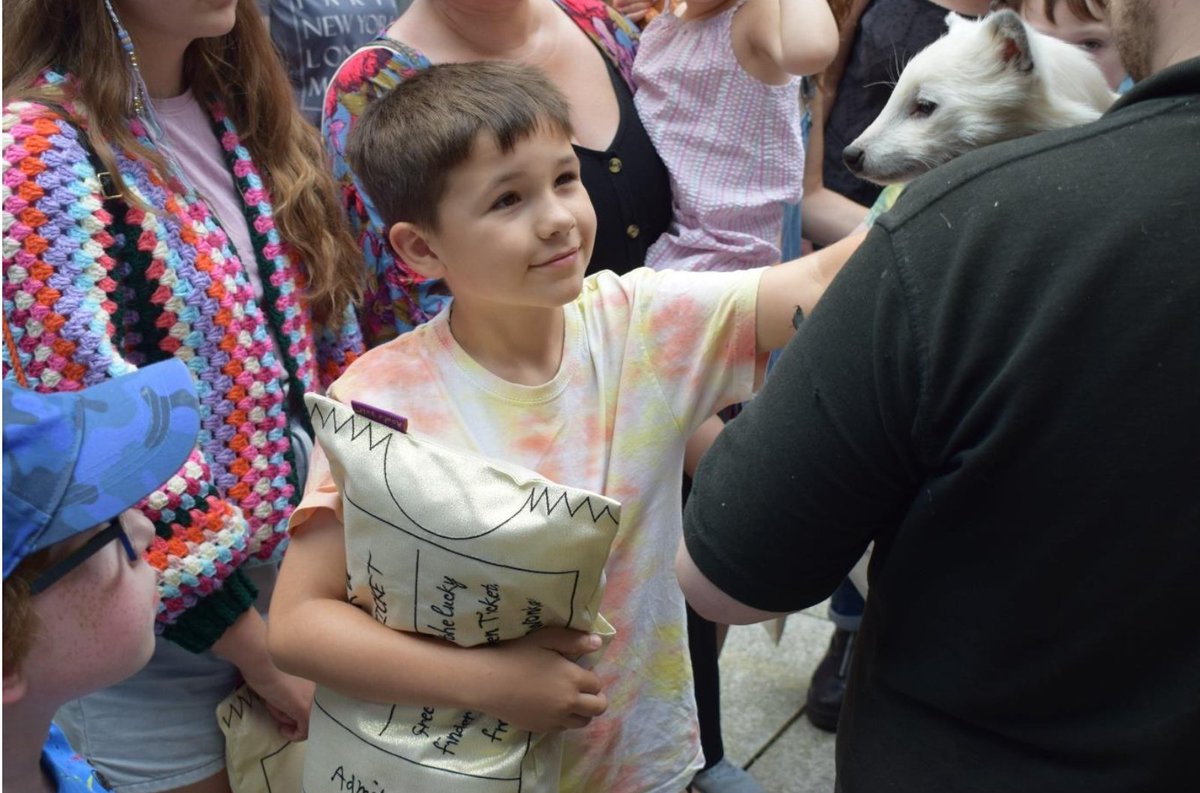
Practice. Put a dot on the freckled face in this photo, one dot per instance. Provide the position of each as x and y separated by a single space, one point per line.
97 623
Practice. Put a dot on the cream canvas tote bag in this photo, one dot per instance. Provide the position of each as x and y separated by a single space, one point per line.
471 550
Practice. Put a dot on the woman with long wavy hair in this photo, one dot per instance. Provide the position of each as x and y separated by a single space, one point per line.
162 197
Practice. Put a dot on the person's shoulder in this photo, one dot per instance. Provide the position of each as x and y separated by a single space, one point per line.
607 288
643 279
406 344
28 110
599 11
1019 170
46 116
24 117
44 131
604 281
52 92
381 61
615 300
607 26
402 360
972 238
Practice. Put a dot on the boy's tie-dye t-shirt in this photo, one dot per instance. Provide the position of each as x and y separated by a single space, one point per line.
646 358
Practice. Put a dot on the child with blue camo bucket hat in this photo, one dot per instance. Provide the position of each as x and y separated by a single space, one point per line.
79 608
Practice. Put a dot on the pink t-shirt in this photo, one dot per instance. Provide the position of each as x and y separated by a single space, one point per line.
193 142
647 357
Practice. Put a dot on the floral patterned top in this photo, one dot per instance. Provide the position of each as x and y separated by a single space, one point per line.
637 206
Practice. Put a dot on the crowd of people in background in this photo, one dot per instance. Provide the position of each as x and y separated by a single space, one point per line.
617 244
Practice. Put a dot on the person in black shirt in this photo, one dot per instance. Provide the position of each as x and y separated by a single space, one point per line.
1002 391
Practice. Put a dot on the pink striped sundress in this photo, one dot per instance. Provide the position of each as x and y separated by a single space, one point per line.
732 144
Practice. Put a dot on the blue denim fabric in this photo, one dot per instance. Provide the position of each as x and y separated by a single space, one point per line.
846 606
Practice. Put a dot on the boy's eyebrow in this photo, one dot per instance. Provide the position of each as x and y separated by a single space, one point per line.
508 176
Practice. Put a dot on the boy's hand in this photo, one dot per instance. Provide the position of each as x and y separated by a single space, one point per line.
536 685
288 699
315 634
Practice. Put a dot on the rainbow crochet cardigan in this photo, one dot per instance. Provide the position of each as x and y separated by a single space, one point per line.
86 302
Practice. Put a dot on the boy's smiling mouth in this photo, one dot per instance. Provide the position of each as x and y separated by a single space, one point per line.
559 260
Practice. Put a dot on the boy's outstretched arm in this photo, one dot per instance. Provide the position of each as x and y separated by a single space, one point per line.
797 284
798 36
315 633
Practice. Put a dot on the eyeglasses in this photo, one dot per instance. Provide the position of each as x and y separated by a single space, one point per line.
113 530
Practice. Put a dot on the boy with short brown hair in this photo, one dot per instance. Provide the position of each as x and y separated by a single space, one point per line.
594 383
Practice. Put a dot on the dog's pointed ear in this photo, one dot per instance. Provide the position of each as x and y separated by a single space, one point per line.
1012 40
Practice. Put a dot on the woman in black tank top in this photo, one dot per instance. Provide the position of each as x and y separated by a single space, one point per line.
629 187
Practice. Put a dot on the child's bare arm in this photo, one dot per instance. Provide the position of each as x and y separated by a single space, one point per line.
797 284
635 9
700 442
830 78
796 36
315 633
288 697
827 215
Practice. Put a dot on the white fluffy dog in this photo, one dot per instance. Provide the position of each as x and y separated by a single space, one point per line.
983 82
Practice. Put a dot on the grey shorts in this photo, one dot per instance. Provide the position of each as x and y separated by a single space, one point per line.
158 730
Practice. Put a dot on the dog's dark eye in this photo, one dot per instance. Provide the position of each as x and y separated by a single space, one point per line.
923 108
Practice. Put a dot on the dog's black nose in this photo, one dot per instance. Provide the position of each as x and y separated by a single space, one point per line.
853 157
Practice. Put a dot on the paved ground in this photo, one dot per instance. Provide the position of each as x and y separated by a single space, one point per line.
762 704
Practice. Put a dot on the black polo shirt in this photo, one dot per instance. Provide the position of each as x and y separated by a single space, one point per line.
1002 391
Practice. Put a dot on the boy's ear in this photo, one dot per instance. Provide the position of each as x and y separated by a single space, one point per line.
1012 40
15 687
411 244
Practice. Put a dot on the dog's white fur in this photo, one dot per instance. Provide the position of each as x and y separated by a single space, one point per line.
989 80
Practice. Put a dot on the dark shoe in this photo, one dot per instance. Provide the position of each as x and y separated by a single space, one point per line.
823 704
725 777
